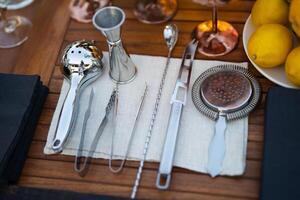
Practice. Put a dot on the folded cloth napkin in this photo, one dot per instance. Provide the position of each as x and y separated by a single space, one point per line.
21 100
25 193
281 163
195 133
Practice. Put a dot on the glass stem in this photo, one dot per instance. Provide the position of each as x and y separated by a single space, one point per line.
9 25
215 18
3 14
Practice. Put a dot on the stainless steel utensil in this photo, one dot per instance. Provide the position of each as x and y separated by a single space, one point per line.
178 101
170 35
137 116
109 21
81 164
224 93
77 164
85 166
81 64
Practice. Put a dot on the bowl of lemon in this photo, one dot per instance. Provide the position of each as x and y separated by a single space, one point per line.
271 40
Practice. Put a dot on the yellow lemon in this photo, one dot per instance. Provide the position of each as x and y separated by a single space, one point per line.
269 45
292 66
295 16
270 12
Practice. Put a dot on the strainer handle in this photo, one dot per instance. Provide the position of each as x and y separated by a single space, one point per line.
216 149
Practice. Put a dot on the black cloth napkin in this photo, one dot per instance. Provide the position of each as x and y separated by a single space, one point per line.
281 163
23 193
21 100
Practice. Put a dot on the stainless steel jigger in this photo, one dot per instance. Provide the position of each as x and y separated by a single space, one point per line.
109 21
81 64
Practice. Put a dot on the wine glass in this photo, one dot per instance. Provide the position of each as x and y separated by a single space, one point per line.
155 11
14 30
216 37
83 10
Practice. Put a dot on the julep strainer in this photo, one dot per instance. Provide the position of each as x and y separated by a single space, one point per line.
224 93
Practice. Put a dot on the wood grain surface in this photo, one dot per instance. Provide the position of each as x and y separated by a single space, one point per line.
41 54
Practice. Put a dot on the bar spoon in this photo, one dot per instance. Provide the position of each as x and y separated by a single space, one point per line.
170 36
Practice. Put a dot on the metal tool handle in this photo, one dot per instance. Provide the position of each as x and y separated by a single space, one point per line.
167 158
216 149
137 116
66 117
80 166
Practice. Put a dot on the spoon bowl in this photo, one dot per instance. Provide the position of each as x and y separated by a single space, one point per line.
171 35
81 64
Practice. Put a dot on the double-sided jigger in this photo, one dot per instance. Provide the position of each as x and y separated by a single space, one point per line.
109 21
81 64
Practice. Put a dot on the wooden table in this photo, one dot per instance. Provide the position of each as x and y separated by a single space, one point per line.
53 30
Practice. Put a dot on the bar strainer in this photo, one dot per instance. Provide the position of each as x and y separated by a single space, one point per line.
224 93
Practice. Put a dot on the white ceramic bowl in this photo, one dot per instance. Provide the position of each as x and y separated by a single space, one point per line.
277 74
17 4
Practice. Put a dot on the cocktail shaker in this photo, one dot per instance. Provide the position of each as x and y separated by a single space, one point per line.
109 21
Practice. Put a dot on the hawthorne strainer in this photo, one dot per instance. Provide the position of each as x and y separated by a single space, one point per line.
224 93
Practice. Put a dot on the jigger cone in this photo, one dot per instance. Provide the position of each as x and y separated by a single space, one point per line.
109 21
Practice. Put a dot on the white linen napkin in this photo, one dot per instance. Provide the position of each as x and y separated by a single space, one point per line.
195 132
